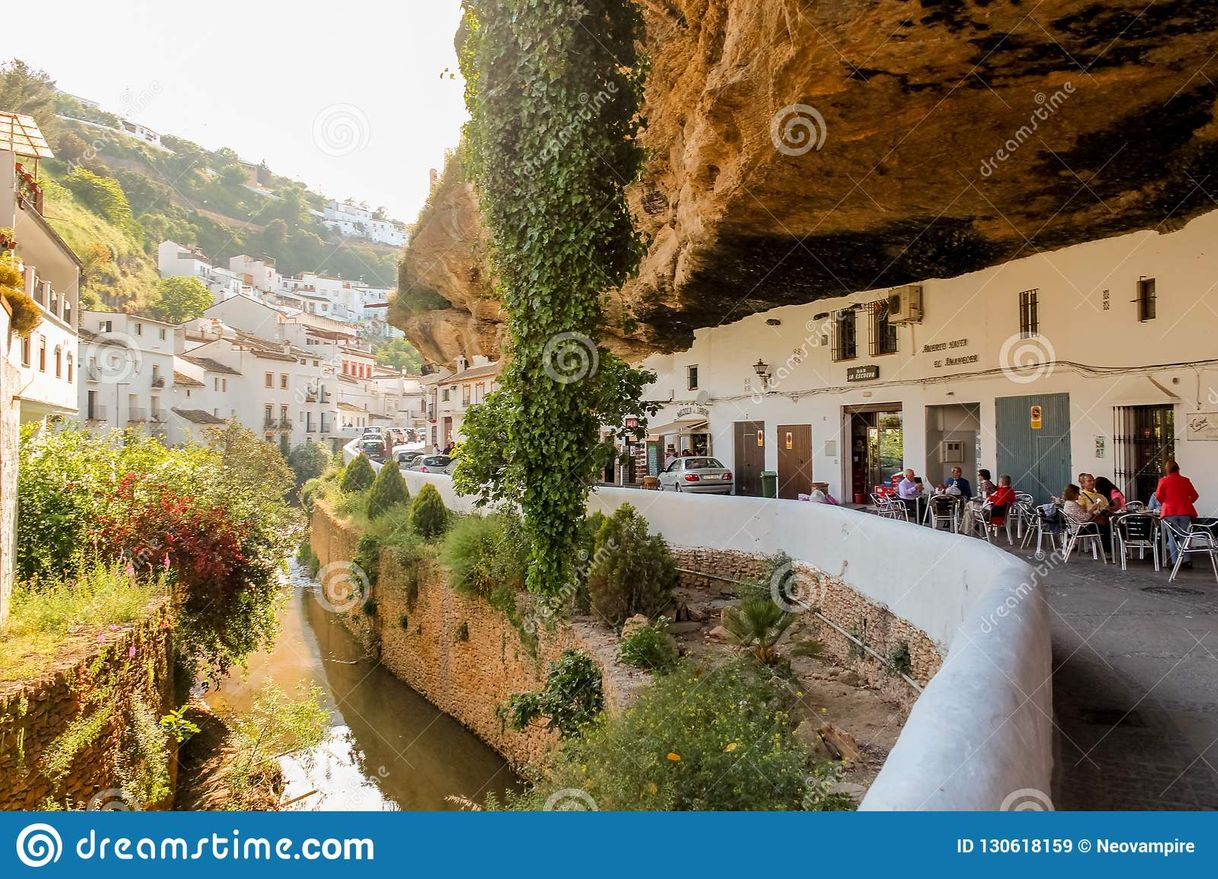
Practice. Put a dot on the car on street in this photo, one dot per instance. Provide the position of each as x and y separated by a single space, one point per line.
373 447
699 475
408 460
434 464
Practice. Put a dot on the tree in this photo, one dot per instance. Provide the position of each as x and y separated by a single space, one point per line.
180 299
551 162
358 476
399 354
309 461
32 93
428 515
388 491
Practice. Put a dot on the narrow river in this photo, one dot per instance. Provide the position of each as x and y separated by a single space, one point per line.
388 748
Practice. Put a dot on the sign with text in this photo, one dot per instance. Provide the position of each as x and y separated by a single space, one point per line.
1036 417
862 373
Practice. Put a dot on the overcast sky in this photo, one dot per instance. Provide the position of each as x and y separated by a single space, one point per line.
348 97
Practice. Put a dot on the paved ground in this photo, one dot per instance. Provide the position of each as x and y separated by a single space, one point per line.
1135 687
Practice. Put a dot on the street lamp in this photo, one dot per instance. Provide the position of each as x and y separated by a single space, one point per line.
763 372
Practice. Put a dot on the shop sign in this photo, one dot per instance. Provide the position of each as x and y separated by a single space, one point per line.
1203 427
863 373
1101 446
700 411
632 424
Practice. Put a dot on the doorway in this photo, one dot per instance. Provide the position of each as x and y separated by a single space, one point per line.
1033 439
951 441
1145 438
794 460
750 456
877 447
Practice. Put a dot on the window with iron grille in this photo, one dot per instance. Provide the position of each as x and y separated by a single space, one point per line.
1029 313
1144 439
845 339
691 378
1146 299
883 331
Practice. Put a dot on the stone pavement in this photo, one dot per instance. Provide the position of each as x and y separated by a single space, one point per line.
1135 687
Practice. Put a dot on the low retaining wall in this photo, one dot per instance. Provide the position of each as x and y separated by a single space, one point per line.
461 654
65 735
982 729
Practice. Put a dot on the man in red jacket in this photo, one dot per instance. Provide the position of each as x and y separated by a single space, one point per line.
1177 497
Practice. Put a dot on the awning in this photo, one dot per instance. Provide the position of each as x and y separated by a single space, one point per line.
679 428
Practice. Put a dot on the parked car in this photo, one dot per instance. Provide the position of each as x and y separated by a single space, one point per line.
408 460
435 464
696 474
373 447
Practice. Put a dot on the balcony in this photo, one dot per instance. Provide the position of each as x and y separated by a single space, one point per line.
98 413
136 416
285 423
157 416
28 189
158 381
270 422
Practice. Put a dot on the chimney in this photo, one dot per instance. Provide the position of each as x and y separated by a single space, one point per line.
461 363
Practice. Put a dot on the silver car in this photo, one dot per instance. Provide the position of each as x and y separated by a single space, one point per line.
699 475
434 464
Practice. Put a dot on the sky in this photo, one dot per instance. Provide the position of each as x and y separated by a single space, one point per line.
352 98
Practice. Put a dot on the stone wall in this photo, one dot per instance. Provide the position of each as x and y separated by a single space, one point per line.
717 571
67 735
9 438
462 655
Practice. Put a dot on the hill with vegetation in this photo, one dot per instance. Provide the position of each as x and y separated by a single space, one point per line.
114 198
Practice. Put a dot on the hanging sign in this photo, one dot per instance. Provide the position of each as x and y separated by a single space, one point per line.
760 439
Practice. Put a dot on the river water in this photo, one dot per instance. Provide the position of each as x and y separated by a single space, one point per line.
388 748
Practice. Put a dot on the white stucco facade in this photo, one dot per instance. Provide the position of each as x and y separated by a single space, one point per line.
1116 389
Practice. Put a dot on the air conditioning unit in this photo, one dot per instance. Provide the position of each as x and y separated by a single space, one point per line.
905 304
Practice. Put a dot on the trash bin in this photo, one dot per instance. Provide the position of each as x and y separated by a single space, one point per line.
769 483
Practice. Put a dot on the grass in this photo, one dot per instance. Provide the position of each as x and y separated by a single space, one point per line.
49 621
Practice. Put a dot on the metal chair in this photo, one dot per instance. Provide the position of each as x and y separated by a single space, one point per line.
1024 514
890 507
1199 539
1047 523
1078 532
1135 507
1135 531
943 509
990 512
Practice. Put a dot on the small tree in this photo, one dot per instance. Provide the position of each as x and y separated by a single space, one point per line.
388 491
180 299
358 476
428 515
632 571
308 461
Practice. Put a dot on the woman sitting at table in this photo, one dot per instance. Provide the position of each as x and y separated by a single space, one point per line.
1001 499
1073 509
1116 500
984 484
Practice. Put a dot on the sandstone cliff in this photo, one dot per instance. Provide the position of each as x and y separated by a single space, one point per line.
800 150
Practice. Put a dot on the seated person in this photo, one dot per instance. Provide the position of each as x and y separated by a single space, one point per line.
1073 509
984 485
1001 500
910 491
1116 500
1089 498
958 482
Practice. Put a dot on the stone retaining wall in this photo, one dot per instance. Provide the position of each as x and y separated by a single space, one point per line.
462 655
867 621
63 734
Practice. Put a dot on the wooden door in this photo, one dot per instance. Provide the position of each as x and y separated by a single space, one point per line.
794 460
750 457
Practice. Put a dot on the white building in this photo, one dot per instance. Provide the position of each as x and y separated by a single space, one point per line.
259 273
452 393
179 261
45 359
1096 358
128 366
354 221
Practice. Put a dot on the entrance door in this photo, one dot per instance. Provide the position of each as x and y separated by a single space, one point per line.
877 447
750 457
1034 452
794 460
1145 439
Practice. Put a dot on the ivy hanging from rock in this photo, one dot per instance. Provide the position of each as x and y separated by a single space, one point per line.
553 90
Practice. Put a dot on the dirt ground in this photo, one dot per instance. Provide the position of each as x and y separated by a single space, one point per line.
841 716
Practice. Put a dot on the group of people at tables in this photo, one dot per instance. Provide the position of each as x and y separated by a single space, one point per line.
1094 500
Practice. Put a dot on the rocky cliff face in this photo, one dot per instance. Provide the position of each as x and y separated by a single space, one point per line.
802 150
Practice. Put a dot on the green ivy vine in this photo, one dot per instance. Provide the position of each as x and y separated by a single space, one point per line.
553 88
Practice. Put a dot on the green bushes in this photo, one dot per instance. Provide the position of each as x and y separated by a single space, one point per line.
632 571
428 515
571 700
388 491
358 476
696 740
308 462
648 647
483 553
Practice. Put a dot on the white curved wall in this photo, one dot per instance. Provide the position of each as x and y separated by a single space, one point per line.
982 729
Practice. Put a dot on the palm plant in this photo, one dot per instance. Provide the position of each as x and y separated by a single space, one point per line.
758 624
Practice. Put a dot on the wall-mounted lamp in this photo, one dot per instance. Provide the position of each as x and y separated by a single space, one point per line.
773 322
763 372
